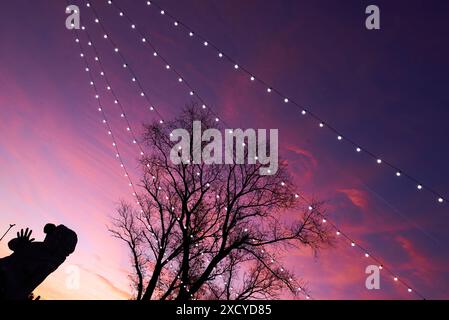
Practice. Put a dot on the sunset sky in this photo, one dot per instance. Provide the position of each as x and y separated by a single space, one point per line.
386 89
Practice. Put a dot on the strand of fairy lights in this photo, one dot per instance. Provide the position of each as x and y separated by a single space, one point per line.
105 119
123 115
304 110
110 89
134 79
155 53
100 108
143 93
338 231
367 254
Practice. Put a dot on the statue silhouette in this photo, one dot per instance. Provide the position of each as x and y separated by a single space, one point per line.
31 262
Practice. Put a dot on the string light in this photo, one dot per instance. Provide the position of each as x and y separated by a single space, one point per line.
338 232
314 116
124 63
104 121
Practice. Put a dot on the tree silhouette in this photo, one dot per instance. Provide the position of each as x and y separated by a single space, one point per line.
212 231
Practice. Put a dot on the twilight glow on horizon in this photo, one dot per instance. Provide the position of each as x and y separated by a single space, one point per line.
385 89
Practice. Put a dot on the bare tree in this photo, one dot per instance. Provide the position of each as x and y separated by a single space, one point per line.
213 231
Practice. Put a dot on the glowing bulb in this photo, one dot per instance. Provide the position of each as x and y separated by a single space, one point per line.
162 12
176 23
216 119
440 200
395 279
268 90
191 34
409 290
96 20
367 255
203 106
358 149
296 195
155 53
133 26
191 93
310 208
220 55
121 14
252 78
206 43
116 49
180 79
303 112
339 137
144 40
324 220
398 174
133 79
337 233
419 187
236 66
105 36
286 100
379 161
381 267
167 67
321 124
352 244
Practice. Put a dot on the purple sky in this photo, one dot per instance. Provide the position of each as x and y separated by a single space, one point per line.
386 89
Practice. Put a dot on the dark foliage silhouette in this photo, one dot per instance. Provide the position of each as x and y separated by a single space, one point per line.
31 262
212 231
